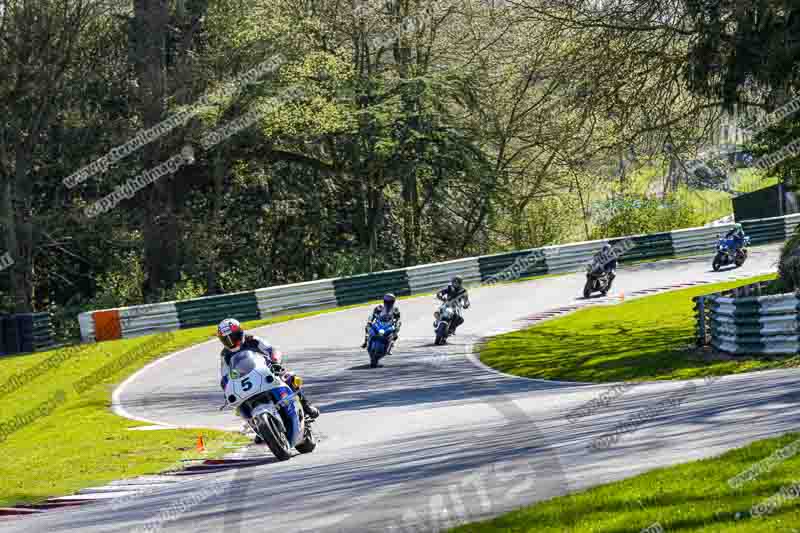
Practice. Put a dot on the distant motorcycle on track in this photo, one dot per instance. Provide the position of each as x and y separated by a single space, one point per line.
728 253
445 320
268 405
597 280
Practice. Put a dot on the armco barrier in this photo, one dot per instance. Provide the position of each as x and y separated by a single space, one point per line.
308 295
491 265
204 311
767 230
741 321
688 241
428 278
25 333
366 287
323 294
649 247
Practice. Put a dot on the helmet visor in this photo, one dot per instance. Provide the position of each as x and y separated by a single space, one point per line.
228 341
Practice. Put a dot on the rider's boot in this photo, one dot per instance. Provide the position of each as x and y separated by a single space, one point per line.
456 323
310 410
611 277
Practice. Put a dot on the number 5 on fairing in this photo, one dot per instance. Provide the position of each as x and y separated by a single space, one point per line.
268 405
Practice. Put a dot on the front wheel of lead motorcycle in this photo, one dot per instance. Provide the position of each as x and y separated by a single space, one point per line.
273 434
717 263
373 359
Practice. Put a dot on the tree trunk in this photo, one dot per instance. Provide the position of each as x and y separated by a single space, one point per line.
218 171
19 271
160 228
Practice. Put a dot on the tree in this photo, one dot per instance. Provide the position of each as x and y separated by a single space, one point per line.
47 47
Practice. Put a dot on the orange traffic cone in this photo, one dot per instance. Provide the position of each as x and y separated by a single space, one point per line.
622 296
200 444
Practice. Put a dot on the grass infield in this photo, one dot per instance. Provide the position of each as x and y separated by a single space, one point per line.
647 338
57 429
706 496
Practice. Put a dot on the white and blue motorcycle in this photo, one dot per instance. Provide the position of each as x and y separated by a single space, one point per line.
270 407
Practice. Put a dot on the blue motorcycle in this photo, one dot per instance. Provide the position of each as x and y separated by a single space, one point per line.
729 252
381 337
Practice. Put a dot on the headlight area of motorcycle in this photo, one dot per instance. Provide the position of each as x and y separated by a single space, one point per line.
381 332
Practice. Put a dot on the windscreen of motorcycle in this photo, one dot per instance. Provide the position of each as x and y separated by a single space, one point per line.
243 363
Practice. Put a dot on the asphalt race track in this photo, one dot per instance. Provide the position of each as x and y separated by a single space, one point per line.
433 438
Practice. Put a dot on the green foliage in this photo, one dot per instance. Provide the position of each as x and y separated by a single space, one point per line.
121 286
771 141
736 50
789 264
463 136
186 289
632 215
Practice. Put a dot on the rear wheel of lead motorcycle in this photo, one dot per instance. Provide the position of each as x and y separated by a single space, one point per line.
309 443
271 431
717 263
587 289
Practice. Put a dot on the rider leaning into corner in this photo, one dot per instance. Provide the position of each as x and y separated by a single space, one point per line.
234 339
606 260
737 234
455 291
389 311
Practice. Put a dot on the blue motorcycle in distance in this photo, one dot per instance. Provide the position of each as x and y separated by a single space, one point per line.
728 252
381 337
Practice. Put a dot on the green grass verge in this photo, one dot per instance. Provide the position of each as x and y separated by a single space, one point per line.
644 339
688 498
80 442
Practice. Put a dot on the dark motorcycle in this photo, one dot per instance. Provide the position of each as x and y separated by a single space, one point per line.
445 320
597 280
728 253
